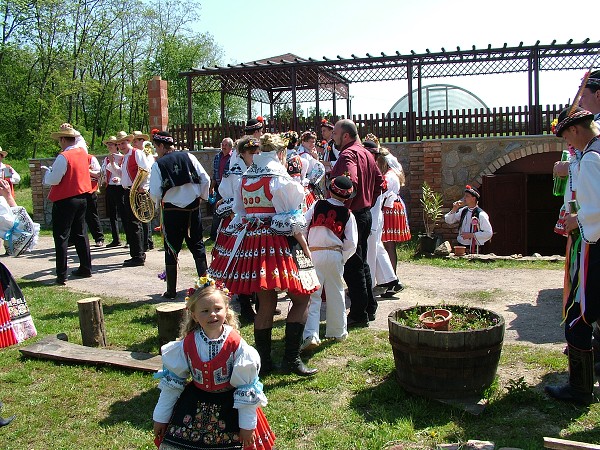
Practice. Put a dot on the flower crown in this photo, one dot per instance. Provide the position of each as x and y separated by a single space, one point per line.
204 282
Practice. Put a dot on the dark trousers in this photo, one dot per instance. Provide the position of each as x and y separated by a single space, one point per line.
580 334
357 274
68 221
115 205
133 230
92 219
181 224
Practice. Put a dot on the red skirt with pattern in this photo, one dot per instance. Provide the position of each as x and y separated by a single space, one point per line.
221 236
261 261
309 198
395 223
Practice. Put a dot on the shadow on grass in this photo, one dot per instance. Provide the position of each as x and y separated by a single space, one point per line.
546 314
136 411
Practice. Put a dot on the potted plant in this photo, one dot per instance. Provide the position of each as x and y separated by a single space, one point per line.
432 211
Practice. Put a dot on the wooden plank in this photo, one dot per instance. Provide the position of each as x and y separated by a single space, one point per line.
53 348
563 444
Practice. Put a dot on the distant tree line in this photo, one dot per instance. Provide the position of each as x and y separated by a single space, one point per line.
88 62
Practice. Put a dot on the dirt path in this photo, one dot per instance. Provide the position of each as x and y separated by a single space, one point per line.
529 300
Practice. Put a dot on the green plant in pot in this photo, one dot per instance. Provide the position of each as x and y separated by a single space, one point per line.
432 211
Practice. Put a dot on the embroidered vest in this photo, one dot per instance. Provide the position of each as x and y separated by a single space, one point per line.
76 179
330 216
132 165
94 181
213 375
257 196
108 175
176 169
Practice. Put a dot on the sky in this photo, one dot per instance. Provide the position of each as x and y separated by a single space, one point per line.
248 31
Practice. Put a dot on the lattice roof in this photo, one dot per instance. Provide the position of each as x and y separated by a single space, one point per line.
272 80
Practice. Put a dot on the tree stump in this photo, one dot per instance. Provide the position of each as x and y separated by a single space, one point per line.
170 317
91 322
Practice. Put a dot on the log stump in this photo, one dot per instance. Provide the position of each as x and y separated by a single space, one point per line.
91 322
170 318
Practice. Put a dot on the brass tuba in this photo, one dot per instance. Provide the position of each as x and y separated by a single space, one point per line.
141 203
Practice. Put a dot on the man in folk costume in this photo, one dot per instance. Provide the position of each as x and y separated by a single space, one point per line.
114 193
8 173
255 127
331 153
474 227
92 219
69 178
133 160
367 181
180 183
138 139
582 308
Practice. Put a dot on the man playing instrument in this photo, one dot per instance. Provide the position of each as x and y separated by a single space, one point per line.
133 161
180 182
137 141
114 193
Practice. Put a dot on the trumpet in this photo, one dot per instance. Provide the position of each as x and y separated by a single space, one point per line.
141 203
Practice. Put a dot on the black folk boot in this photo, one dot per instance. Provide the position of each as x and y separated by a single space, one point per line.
581 379
246 311
171 292
262 342
291 357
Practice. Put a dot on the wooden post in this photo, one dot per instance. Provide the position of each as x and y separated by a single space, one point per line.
170 317
91 322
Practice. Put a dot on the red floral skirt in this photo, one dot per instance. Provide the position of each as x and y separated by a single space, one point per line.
309 198
262 261
395 223
221 236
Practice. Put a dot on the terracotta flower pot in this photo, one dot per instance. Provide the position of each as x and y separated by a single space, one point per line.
437 319
459 250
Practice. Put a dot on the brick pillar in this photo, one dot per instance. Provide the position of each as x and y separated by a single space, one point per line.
158 103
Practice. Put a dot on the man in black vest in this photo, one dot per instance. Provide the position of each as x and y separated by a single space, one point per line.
180 182
474 227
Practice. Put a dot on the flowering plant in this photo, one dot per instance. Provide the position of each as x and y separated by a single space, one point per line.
553 125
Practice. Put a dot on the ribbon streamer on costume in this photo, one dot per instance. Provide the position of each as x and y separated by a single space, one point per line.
252 221
474 248
8 236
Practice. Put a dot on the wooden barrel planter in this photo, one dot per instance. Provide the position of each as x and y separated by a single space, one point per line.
445 364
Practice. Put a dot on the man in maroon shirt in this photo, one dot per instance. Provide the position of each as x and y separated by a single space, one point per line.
362 169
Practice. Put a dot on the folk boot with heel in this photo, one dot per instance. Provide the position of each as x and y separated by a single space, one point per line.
291 357
246 311
262 342
171 292
580 388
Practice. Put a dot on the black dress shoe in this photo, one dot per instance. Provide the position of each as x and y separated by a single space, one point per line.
4 422
81 273
60 281
133 262
113 244
351 323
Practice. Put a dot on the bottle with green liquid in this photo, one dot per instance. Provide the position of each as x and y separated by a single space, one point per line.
560 183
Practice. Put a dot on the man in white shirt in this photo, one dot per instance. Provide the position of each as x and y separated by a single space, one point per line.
114 193
180 182
474 227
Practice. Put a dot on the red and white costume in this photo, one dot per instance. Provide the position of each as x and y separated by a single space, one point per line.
395 220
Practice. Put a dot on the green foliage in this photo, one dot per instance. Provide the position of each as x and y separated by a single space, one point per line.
432 207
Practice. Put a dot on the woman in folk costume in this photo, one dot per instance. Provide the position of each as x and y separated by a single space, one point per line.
383 273
259 259
312 169
220 408
241 159
395 219
8 173
20 234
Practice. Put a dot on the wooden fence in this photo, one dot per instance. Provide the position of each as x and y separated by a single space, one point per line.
510 121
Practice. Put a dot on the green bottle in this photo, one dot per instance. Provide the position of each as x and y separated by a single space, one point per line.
573 208
560 183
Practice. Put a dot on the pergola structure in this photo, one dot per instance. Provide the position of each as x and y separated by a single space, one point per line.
290 79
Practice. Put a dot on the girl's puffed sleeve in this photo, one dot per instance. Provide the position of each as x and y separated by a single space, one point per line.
288 196
172 380
249 393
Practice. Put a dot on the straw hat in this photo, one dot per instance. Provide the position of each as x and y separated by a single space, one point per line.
122 136
112 139
138 135
65 130
3 153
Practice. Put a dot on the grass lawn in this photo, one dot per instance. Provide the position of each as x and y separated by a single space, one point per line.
354 401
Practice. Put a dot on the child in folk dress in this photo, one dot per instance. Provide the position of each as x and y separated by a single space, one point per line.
220 406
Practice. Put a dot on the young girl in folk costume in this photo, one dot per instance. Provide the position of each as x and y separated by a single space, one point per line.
260 260
395 220
241 159
220 407
312 169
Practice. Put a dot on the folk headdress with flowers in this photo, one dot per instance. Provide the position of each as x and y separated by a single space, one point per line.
204 282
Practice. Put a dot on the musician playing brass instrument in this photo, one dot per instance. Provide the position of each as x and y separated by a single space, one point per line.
133 161
180 183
